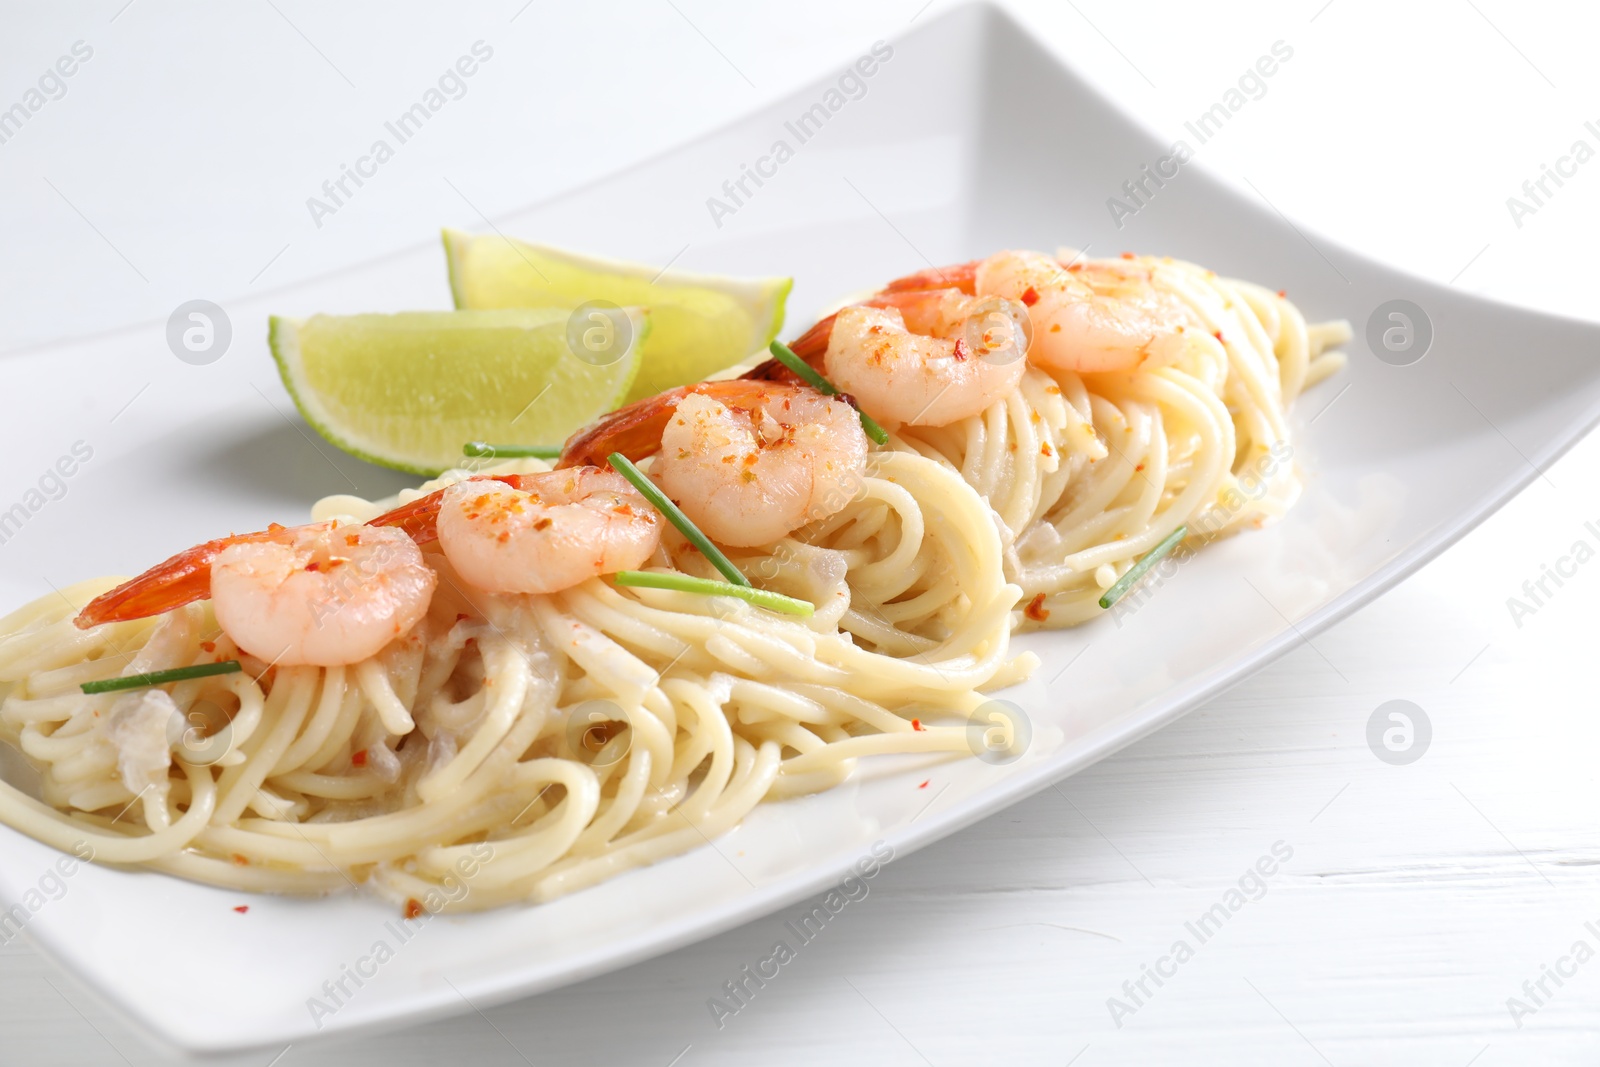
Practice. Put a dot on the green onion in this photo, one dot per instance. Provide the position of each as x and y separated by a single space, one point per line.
688 583
176 674
624 466
483 448
787 357
1120 588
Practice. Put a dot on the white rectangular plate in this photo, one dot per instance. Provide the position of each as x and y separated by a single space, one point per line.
968 138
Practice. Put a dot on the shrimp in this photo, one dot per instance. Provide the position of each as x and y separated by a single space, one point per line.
1085 317
937 357
318 594
923 310
324 595
747 461
962 276
547 532
323 598
1089 317
181 580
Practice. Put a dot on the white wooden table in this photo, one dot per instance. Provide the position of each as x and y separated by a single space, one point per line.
1427 913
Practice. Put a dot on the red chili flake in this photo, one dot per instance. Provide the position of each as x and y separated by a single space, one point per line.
359 759
313 566
1140 467
1044 449
924 784
1036 609
1030 296
1127 255
1217 334
242 908
916 724
241 859
413 907
209 646
1282 293
462 616
543 523
960 351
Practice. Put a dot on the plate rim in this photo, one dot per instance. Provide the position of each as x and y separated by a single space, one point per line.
1151 715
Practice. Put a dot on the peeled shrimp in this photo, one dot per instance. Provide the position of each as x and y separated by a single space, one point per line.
317 594
1089 317
1093 316
547 532
932 359
747 461
181 580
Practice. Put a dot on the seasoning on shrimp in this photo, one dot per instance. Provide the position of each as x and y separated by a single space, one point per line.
548 532
910 365
306 595
1106 316
747 461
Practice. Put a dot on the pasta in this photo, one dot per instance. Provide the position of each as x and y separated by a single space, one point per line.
1088 472
459 744
541 742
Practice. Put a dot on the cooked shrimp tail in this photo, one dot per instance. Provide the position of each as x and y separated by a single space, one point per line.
183 579
922 307
636 430
775 370
420 517
810 345
963 276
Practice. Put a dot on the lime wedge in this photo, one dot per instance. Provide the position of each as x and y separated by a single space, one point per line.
409 390
699 323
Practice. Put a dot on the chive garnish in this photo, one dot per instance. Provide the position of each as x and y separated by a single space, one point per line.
624 466
688 583
176 674
787 357
483 448
1121 586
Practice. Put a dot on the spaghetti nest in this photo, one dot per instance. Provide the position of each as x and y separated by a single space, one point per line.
517 746
522 746
1088 472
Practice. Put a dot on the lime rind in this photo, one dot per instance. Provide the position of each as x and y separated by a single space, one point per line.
703 323
457 243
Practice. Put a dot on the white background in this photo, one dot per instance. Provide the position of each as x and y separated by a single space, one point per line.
1418 899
